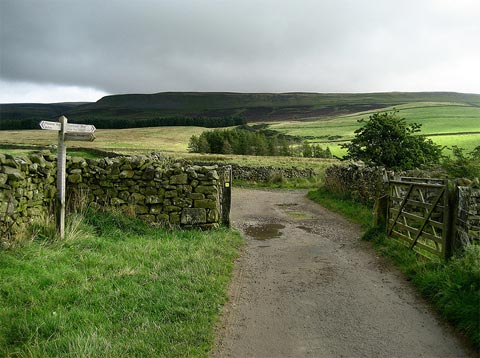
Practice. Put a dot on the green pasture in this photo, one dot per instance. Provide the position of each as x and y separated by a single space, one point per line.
467 141
168 139
446 123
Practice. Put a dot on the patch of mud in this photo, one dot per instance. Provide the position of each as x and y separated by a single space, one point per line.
299 215
264 231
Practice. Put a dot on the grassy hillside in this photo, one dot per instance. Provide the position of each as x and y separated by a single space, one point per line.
446 123
22 115
448 118
133 108
255 106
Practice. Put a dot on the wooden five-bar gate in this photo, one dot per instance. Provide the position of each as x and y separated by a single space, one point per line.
419 214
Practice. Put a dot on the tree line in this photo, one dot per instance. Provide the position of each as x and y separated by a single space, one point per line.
122 123
245 141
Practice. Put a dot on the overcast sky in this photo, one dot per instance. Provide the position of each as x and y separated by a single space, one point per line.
81 50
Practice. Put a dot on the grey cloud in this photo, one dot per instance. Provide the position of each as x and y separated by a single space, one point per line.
149 46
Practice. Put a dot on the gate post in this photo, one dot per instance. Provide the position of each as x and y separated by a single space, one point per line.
61 173
381 212
226 198
451 211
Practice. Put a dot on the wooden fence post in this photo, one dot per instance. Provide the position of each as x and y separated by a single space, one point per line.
226 195
381 212
61 169
452 213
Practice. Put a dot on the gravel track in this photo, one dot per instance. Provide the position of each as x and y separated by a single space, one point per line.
306 286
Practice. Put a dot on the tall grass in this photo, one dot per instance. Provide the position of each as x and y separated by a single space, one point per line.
115 287
452 287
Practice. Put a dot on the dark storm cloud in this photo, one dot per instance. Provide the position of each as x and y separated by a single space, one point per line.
250 45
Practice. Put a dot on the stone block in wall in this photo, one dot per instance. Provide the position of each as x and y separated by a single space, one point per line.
205 203
75 176
3 179
13 173
172 208
126 174
137 198
174 218
184 189
148 218
182 202
179 179
191 172
156 209
206 189
196 196
163 217
141 209
171 194
117 201
154 199
192 216
213 216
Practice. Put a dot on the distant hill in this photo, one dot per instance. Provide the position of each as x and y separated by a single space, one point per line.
214 108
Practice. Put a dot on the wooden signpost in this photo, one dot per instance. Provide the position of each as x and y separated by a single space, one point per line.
66 132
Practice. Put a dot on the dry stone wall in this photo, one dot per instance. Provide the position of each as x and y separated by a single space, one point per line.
27 189
152 187
364 183
468 216
267 173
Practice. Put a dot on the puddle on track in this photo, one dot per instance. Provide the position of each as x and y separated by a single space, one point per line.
264 231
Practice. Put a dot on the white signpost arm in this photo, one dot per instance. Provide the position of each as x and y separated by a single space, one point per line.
61 173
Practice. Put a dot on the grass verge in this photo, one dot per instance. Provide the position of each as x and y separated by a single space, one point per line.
345 205
116 288
453 287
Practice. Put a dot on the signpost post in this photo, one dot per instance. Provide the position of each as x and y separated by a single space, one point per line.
66 132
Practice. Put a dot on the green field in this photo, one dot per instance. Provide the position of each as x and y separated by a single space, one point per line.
165 139
445 123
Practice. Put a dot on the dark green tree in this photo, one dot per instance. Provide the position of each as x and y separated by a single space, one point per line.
227 147
193 144
307 150
387 140
203 145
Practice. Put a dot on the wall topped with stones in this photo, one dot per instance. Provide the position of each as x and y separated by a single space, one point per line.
266 174
155 189
364 183
468 215
27 190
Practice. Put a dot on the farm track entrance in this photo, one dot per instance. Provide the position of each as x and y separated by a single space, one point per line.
306 286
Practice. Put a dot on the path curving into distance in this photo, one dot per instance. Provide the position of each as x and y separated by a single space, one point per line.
306 286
